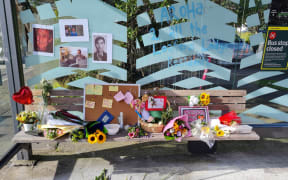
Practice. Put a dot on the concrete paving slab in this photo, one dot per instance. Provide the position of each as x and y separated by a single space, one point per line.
265 159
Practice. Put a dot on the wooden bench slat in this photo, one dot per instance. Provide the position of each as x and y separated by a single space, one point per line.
21 137
66 93
197 92
37 92
221 100
230 107
66 100
55 108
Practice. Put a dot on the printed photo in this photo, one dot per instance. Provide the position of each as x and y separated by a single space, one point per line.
73 57
73 30
102 48
43 40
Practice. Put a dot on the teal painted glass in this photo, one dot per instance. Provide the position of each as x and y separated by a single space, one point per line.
256 39
257 76
266 1
27 16
143 19
253 20
192 83
260 92
282 100
251 60
80 83
266 15
266 111
45 11
251 3
283 83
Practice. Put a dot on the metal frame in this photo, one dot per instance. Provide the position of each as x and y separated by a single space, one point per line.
11 46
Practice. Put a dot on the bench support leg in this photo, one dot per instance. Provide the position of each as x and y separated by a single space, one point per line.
200 147
26 152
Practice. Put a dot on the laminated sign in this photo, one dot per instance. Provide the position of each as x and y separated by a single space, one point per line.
275 55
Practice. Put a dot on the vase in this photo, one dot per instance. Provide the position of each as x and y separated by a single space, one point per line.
28 127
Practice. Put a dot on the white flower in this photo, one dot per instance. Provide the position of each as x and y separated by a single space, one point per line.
193 100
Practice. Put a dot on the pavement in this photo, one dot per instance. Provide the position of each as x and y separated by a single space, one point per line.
264 159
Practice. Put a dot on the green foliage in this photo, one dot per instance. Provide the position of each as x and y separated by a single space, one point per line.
46 88
167 115
103 175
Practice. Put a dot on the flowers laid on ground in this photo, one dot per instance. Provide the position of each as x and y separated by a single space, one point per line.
27 117
177 128
52 133
136 132
97 137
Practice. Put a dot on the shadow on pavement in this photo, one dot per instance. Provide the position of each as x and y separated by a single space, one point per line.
169 157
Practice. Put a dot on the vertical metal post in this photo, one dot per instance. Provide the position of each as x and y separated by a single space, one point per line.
11 45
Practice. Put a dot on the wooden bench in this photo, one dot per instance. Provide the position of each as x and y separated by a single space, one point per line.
72 100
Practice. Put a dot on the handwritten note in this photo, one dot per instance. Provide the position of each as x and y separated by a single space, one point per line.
107 103
92 89
98 90
90 104
119 96
113 88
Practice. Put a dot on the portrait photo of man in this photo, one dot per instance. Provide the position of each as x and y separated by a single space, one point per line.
102 48
43 40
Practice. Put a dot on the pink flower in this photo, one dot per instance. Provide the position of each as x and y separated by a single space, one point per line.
131 135
168 133
137 130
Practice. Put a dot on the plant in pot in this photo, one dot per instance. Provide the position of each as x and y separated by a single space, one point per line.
28 119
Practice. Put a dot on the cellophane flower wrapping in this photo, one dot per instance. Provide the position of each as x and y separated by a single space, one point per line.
177 128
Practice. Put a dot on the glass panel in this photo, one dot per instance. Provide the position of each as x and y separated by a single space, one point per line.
6 122
184 44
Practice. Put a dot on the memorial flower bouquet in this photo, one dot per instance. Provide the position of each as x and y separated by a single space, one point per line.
27 117
177 128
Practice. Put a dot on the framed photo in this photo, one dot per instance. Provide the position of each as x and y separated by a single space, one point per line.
74 30
43 40
102 48
195 113
156 103
73 57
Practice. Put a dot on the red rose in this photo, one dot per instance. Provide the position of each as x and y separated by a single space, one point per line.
24 96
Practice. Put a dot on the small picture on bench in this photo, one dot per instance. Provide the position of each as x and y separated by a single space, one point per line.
195 113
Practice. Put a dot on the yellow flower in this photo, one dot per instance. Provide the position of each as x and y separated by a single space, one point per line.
220 133
101 137
92 139
205 129
216 128
203 96
176 126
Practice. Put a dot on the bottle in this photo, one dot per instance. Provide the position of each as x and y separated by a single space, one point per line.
120 118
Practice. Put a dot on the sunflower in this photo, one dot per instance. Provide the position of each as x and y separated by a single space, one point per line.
220 133
203 96
92 139
101 137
